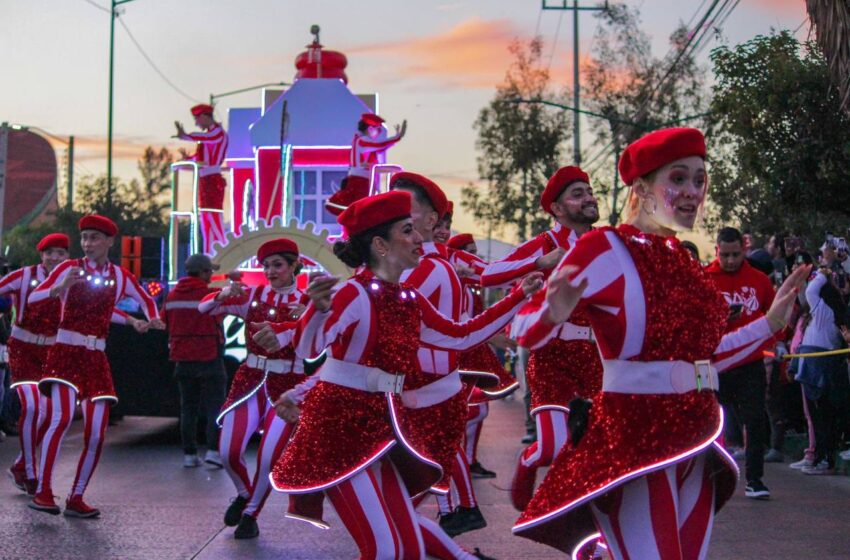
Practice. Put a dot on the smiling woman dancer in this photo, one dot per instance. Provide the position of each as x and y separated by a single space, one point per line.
361 440
648 472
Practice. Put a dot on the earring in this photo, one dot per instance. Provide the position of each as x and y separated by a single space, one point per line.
643 205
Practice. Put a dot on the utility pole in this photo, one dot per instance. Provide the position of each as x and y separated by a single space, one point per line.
575 9
113 13
4 151
70 201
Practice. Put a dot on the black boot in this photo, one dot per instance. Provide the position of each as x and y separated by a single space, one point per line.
478 471
247 528
234 511
464 520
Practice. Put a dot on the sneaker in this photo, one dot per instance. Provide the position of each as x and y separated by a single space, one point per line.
464 520
191 461
821 468
445 520
247 528
76 507
522 485
44 502
845 455
213 459
529 438
478 471
774 456
19 477
234 512
31 485
757 490
802 463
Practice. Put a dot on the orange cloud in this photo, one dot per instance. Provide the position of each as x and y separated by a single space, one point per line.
92 148
782 7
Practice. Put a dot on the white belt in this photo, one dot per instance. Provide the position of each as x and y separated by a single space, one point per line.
267 365
24 335
569 331
440 390
662 377
88 341
358 376
206 170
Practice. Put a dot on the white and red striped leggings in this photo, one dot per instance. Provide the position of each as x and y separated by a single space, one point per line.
212 229
552 436
60 411
474 423
666 514
276 434
31 427
379 515
238 426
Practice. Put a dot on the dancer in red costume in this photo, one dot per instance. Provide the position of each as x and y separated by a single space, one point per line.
260 380
365 443
568 365
648 473
76 368
367 150
436 279
32 334
212 147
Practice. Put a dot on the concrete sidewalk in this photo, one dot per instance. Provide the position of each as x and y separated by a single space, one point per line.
155 509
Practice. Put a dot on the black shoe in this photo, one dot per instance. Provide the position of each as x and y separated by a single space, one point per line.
464 520
480 555
446 520
529 438
247 528
478 471
234 512
757 490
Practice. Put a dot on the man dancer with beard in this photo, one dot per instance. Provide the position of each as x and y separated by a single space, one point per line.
568 366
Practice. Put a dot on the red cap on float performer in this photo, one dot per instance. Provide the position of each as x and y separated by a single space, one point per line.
277 246
371 119
202 109
53 240
374 211
434 193
98 223
558 182
657 149
460 241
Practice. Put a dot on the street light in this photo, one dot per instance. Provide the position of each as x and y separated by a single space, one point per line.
113 13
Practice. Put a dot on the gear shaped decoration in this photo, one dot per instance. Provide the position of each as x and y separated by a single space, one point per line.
238 248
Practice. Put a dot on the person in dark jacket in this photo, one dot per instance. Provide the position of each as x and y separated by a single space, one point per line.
195 343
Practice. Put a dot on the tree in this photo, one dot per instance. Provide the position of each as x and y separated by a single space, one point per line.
831 22
138 208
636 91
781 143
519 147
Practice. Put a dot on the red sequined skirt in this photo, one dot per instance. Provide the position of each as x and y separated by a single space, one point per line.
86 371
483 358
341 431
246 382
211 191
279 383
628 436
26 361
561 371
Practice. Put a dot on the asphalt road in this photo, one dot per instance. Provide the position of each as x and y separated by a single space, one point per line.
155 509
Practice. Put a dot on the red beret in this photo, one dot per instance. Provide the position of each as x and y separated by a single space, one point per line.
276 246
54 240
373 211
434 193
657 149
563 178
98 223
461 240
352 190
202 109
371 119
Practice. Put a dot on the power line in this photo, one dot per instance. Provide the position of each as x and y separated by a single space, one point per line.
555 41
98 6
153 64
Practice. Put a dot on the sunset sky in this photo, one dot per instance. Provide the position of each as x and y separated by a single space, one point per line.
435 63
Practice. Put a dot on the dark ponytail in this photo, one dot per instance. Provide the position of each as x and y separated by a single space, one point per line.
357 249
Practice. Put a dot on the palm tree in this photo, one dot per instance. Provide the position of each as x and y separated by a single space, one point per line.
831 23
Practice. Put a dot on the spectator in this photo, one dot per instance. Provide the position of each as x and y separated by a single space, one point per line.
742 389
776 249
195 342
826 387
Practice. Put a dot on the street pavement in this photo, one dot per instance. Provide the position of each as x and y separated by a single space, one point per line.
155 509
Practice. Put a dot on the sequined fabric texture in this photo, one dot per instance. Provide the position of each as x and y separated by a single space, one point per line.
26 361
483 358
563 370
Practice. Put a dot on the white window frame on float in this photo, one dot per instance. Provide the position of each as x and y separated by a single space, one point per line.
318 197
